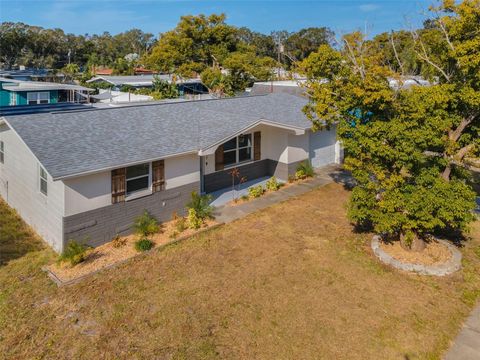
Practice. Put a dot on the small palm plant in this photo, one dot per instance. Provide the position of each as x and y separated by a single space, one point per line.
304 170
199 209
146 225
74 253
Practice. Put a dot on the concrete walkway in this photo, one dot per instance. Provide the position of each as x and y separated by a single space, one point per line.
325 175
467 344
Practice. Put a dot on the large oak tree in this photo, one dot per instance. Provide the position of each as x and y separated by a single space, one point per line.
406 146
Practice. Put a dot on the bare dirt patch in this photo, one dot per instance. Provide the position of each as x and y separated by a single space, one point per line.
107 254
435 253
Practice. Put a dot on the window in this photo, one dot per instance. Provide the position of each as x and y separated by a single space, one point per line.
237 150
43 181
34 98
138 178
13 98
2 152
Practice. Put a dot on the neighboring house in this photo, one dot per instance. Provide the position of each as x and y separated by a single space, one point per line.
293 87
18 92
100 71
86 175
185 86
33 74
143 71
113 97
406 82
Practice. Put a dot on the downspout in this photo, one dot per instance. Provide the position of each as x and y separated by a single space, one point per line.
202 172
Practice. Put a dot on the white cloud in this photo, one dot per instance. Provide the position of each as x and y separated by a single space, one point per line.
369 7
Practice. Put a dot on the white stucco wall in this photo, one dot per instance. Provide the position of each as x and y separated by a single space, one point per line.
323 147
87 193
94 191
298 147
275 146
20 188
182 170
274 143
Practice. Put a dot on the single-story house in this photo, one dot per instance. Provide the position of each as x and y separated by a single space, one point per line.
184 85
87 174
293 87
27 74
18 92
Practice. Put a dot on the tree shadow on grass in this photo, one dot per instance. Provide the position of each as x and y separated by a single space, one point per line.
16 238
343 177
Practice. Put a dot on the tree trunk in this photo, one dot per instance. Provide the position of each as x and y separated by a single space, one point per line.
454 135
446 173
412 242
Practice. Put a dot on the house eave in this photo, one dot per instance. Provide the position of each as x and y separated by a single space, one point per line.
109 168
209 150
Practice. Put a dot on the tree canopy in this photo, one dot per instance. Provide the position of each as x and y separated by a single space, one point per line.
406 147
235 57
34 46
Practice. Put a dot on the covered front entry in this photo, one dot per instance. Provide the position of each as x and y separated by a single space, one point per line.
220 180
261 151
228 194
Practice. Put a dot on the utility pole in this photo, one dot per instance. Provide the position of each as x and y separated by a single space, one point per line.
280 49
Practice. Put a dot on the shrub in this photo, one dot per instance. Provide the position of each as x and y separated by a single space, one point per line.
245 197
272 184
180 224
145 225
194 221
173 234
201 205
74 253
143 244
256 191
304 170
118 241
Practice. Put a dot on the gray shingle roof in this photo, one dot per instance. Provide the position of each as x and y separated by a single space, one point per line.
72 143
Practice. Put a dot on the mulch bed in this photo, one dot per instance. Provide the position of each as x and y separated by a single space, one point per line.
435 253
107 255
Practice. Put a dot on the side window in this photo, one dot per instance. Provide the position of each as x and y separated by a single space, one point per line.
44 98
13 98
2 152
32 98
43 181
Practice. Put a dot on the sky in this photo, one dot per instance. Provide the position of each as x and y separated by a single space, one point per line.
156 16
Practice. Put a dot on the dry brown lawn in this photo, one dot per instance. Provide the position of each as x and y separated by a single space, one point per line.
290 282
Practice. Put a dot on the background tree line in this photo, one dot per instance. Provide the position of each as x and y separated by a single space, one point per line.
196 44
36 47
227 58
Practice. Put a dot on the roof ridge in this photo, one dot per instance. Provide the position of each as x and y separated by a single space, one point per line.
157 104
